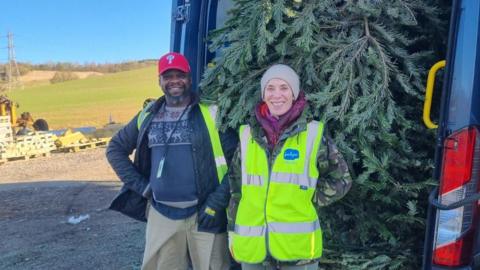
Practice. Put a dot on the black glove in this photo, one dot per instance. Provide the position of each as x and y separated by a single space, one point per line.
206 216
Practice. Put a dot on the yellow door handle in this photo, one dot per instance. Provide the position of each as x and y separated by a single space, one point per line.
427 105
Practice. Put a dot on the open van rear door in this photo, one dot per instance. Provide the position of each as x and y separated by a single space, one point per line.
452 236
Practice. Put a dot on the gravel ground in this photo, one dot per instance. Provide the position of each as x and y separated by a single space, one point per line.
88 165
39 196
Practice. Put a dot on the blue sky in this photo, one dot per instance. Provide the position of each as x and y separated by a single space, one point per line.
85 30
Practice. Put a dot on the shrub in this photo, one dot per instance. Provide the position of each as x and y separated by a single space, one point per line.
62 76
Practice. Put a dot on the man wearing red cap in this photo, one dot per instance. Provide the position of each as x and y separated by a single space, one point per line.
179 167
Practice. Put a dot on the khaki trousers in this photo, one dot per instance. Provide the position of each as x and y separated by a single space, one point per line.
168 243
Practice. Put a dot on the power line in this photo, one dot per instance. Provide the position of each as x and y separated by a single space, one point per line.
12 72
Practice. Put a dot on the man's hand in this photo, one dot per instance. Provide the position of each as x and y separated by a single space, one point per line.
206 216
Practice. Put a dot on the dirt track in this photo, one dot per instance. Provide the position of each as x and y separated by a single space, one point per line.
38 197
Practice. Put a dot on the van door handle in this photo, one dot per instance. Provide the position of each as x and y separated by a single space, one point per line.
427 105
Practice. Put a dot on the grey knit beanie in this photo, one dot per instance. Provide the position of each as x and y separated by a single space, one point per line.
283 72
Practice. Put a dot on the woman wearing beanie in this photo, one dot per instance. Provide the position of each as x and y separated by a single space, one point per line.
284 168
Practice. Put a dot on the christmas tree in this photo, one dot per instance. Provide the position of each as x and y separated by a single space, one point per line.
363 66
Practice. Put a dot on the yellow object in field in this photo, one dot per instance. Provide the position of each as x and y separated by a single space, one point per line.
13 115
69 137
3 110
8 107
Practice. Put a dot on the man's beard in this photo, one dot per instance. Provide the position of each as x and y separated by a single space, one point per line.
176 100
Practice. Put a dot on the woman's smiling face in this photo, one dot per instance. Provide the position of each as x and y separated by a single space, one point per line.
278 96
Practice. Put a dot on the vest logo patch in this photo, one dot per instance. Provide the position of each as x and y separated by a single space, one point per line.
291 154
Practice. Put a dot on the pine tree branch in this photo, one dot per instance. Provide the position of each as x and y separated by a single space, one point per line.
412 14
367 29
383 56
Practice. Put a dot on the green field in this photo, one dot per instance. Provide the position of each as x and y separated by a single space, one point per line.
90 101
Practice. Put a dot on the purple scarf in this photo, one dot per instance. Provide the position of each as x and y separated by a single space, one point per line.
274 127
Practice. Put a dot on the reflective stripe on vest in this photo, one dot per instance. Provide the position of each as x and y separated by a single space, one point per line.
278 202
306 227
208 114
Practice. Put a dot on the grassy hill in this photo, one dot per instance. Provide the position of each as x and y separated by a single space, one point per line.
90 101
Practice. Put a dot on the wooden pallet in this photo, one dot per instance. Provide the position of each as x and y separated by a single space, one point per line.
94 143
6 132
35 142
6 138
33 145
5 128
4 120
22 157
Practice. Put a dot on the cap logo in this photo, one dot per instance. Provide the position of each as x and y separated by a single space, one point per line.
170 58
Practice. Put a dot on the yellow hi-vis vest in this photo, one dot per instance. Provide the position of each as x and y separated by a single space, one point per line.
276 214
209 114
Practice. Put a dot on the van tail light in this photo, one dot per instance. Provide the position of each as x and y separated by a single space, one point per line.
455 229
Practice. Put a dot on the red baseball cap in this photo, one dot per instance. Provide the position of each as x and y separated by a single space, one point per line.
173 60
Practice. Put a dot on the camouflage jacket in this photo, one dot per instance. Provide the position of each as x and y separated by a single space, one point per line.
334 178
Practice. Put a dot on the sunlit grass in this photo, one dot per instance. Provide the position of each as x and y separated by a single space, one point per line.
90 101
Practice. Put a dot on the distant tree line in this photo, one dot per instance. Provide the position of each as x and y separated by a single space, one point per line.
25 67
